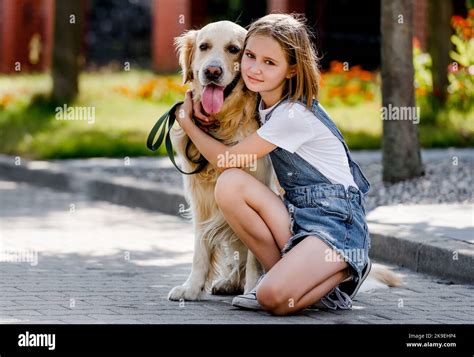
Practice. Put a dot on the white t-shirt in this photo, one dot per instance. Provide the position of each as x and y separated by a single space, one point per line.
296 129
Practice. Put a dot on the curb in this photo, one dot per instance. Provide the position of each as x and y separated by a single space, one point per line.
422 252
123 191
414 249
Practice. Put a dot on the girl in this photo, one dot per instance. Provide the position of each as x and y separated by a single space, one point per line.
314 244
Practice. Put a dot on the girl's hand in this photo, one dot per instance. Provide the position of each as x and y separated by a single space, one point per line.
184 112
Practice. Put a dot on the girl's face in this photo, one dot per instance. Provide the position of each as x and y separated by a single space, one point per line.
264 66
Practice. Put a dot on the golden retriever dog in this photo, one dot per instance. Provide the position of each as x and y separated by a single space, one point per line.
210 62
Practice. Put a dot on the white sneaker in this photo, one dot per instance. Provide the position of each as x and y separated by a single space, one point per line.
335 299
248 301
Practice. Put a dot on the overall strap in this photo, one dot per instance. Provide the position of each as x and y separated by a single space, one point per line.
321 115
165 122
357 174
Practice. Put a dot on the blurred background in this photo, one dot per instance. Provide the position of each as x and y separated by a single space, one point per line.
118 57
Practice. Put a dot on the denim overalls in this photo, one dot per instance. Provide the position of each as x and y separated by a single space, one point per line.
320 208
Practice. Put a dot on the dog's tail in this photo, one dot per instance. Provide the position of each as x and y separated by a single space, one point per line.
385 275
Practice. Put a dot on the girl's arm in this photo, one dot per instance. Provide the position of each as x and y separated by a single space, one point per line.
218 154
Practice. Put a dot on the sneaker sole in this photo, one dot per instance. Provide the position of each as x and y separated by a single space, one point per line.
249 304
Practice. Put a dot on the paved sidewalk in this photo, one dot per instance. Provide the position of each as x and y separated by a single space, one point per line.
408 221
86 261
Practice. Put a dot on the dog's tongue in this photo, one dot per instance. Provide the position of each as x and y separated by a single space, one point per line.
212 98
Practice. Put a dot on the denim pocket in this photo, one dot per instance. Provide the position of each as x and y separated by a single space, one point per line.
333 206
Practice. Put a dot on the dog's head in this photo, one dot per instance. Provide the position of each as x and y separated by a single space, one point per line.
210 59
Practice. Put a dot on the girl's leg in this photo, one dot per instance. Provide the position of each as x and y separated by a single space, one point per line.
303 276
256 214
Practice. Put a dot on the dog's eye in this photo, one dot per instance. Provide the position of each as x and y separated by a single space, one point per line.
233 49
203 46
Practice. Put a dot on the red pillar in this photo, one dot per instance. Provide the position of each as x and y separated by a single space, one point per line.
420 22
48 33
170 19
26 34
10 15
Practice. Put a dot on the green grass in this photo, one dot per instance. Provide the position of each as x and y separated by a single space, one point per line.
361 126
28 126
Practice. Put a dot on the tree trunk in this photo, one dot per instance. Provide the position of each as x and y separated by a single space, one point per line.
439 13
68 19
401 156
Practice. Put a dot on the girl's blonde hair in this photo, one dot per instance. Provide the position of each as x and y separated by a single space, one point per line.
291 32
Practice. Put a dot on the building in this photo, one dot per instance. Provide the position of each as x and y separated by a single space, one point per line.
142 31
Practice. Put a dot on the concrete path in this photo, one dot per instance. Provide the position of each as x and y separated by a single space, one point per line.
65 258
433 236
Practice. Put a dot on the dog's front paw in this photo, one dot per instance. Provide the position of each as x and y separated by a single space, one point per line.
184 292
225 287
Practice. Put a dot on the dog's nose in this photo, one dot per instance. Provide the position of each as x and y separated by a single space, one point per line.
213 72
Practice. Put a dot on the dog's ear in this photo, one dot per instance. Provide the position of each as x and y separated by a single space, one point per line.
185 46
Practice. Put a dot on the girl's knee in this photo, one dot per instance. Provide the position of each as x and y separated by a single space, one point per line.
227 183
273 299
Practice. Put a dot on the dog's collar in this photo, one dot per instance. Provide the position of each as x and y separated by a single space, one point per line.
231 86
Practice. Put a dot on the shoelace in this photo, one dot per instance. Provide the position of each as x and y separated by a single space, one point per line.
341 300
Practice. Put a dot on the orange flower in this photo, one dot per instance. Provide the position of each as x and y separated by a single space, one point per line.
368 96
146 89
366 76
457 20
416 42
352 88
336 67
123 90
420 91
335 91
178 88
467 32
471 13
5 100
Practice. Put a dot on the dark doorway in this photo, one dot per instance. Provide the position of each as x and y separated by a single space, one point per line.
349 31
242 12
118 30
